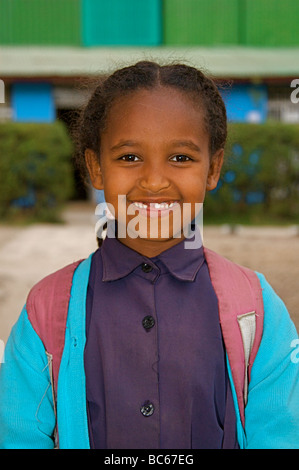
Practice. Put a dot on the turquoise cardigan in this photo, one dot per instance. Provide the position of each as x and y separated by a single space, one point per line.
27 418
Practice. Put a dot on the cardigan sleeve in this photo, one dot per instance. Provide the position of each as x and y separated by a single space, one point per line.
26 406
272 411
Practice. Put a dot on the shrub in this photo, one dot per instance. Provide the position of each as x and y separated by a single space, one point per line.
260 178
36 174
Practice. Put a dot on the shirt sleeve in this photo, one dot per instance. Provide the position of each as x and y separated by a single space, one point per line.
272 411
26 406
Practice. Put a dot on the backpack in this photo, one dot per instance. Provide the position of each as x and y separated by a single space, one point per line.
240 306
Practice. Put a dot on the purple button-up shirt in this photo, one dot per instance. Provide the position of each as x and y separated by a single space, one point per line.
155 365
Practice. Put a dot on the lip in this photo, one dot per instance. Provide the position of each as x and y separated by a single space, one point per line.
153 200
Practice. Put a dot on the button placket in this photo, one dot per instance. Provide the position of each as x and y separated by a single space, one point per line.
147 408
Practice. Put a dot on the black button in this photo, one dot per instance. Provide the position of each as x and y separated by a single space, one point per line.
147 409
146 268
148 322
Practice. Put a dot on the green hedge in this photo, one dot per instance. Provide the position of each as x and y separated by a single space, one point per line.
36 174
260 178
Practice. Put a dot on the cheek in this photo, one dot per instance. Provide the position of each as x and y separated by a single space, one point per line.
113 183
194 189
115 195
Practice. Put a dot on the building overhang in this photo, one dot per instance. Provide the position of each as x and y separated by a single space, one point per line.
61 63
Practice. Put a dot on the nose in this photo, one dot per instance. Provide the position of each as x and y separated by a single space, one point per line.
154 178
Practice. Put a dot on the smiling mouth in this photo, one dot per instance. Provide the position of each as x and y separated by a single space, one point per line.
155 205
154 209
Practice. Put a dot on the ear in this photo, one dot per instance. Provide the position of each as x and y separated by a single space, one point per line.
215 169
94 169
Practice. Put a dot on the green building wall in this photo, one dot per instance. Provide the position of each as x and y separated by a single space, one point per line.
121 22
40 22
264 23
200 22
273 23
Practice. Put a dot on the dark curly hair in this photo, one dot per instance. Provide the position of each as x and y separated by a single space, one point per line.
148 75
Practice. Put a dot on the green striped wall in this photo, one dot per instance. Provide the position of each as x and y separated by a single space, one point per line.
89 23
272 23
40 22
201 22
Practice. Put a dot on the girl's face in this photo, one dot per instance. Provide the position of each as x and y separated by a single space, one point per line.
154 155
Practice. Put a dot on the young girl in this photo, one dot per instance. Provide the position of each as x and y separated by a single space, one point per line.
160 343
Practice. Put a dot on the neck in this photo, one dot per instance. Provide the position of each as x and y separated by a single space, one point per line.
149 248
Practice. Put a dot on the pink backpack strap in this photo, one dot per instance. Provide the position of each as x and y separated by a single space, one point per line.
239 295
47 308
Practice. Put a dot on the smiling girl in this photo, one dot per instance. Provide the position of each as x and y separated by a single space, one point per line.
155 148
164 347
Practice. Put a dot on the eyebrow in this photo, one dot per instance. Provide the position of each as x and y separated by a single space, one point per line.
186 143
176 143
124 143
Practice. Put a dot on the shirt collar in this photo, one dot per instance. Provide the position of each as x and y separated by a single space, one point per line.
120 260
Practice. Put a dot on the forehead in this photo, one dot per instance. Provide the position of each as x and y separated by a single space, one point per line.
161 110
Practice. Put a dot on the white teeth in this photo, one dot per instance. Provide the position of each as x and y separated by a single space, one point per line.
164 205
157 205
140 205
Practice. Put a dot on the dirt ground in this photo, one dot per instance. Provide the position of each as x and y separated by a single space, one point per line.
29 253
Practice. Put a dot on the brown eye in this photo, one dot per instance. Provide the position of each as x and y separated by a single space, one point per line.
181 158
129 158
